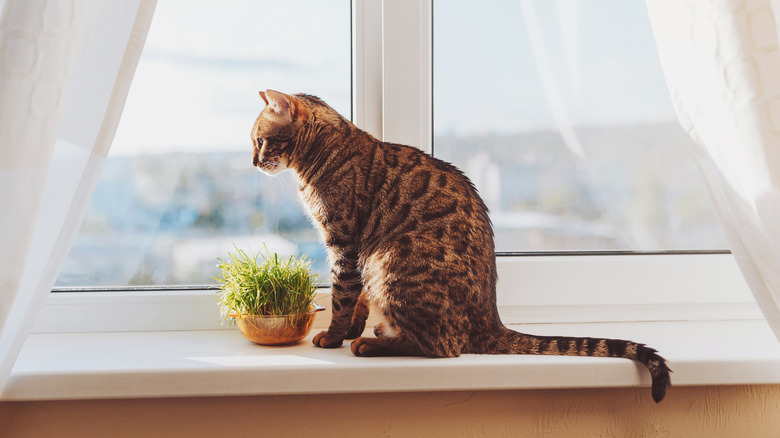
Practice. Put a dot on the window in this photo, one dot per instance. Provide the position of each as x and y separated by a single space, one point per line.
566 162
559 113
178 188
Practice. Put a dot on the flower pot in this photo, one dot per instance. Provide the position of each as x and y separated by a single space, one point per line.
276 329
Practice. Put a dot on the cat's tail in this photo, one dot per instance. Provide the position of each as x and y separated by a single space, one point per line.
512 342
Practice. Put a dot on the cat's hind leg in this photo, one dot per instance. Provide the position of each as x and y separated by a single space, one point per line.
400 343
381 346
367 347
398 346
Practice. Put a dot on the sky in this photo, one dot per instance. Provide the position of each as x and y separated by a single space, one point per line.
196 85
499 67
519 61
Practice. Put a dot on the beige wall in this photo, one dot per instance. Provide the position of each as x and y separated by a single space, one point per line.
739 411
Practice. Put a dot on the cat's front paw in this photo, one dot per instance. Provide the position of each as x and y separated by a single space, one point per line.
325 340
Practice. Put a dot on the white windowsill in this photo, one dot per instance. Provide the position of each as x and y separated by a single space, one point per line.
222 363
696 310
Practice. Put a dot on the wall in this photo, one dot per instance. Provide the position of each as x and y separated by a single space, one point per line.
737 411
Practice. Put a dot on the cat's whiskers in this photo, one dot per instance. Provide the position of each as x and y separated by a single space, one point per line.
282 182
272 165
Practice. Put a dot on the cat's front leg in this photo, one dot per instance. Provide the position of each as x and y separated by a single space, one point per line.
359 317
347 285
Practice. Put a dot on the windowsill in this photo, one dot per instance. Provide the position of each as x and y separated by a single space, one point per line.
221 363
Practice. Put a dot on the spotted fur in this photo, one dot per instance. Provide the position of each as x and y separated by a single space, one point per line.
408 237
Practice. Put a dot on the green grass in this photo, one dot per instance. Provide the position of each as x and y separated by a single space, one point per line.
272 286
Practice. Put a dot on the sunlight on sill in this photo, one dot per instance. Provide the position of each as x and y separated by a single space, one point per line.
282 360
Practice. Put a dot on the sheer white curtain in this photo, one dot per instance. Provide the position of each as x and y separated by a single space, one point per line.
722 65
65 68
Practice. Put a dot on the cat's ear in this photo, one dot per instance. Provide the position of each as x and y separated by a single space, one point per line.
280 103
287 107
265 99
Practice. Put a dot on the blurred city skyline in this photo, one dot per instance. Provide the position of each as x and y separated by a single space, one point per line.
165 218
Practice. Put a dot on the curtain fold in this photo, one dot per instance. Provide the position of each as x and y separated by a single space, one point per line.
65 69
722 66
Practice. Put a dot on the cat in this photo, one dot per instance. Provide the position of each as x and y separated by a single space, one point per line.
408 236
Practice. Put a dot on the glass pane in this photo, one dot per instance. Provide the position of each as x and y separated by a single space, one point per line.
559 113
178 188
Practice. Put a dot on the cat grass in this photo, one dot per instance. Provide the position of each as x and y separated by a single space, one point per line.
265 284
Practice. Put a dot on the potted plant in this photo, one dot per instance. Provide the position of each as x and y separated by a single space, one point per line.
271 301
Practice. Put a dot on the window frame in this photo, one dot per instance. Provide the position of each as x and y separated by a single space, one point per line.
392 83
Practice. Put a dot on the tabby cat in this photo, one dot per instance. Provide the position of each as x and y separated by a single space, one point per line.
408 235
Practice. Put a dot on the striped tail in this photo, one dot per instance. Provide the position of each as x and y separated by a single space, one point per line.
512 342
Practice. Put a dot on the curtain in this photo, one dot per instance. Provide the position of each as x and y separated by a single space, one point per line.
65 69
722 67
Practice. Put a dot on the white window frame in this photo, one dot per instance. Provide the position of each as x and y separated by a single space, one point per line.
392 99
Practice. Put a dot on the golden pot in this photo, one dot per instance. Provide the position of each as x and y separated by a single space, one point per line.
276 329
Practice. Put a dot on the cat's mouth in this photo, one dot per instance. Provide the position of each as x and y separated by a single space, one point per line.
271 166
